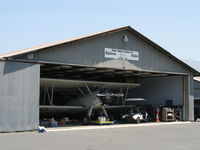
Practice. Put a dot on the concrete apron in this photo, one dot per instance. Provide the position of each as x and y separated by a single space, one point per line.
88 127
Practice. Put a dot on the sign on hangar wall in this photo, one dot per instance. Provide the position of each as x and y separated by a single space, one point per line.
121 54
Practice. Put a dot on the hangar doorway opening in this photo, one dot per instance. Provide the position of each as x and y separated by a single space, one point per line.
61 86
168 93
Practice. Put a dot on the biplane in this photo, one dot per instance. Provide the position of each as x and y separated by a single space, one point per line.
83 97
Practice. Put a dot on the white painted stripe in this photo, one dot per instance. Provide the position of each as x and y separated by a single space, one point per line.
113 126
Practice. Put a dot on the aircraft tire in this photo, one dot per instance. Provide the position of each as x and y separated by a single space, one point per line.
86 120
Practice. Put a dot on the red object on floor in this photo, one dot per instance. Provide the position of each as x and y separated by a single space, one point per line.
157 115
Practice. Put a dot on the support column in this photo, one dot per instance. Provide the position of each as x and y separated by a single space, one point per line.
188 108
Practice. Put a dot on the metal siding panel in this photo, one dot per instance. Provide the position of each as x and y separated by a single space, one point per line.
19 99
191 98
91 52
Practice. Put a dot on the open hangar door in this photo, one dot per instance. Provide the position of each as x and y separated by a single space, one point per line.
163 91
19 96
154 87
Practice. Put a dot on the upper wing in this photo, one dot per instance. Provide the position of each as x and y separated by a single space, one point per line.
62 83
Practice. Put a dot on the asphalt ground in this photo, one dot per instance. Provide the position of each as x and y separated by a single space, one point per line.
153 137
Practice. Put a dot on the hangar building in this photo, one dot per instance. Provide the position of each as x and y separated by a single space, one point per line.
121 54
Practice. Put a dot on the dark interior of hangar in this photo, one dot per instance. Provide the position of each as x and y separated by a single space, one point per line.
60 96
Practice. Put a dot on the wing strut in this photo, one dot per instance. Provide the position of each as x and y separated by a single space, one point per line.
81 91
46 92
125 95
88 89
52 88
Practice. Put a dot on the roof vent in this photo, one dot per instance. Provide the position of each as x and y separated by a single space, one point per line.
125 38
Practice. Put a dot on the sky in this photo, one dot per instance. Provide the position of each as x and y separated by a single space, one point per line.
173 24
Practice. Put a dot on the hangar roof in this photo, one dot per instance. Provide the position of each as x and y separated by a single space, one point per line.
40 47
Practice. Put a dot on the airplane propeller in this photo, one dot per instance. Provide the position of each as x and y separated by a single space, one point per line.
106 95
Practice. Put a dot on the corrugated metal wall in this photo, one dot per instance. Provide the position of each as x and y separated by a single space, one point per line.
19 96
91 52
189 94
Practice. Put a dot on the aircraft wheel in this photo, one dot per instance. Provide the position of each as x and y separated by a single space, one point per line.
86 120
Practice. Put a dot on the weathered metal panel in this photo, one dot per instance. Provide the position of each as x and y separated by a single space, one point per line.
158 89
188 111
91 52
19 96
191 98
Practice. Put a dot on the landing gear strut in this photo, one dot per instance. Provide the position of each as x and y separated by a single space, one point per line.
87 119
